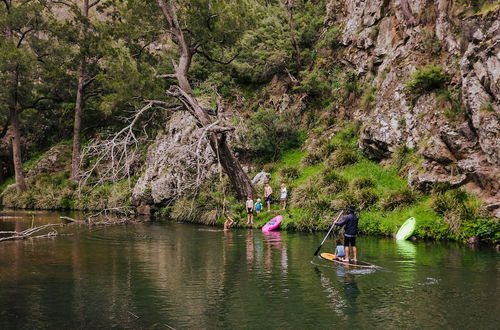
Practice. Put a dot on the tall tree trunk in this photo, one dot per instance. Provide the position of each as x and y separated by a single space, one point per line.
16 150
239 179
75 159
77 126
291 26
218 140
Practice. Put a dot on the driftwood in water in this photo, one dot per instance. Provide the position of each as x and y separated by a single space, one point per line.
71 220
14 235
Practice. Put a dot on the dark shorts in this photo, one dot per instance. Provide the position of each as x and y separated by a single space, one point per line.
349 241
269 198
249 210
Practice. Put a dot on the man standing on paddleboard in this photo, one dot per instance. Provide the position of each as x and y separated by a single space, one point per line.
350 220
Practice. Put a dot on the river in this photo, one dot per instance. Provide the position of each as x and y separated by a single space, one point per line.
181 276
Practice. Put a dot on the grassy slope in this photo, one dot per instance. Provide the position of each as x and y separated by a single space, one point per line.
373 220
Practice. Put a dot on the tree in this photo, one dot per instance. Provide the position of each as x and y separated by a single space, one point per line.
22 55
187 47
290 4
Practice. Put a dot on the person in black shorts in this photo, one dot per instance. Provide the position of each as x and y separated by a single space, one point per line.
249 208
350 221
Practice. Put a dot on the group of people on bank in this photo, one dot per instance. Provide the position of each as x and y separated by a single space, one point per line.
268 199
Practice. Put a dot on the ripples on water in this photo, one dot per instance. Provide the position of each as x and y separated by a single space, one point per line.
185 276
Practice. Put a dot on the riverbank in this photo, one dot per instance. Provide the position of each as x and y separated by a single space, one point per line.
322 177
331 174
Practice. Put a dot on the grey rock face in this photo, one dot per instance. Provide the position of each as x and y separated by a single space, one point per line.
379 41
261 178
178 160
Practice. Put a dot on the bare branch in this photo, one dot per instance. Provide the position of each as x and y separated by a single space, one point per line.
211 59
168 75
96 2
23 35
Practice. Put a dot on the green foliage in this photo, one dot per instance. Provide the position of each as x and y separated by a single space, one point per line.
289 173
312 158
451 102
425 80
333 181
361 183
266 135
366 197
368 97
331 38
394 199
343 156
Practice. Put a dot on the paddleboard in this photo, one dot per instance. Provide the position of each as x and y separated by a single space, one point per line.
331 257
406 229
272 224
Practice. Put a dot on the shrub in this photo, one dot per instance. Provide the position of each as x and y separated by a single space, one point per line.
367 197
266 134
368 97
450 200
425 80
289 173
394 199
343 200
304 195
312 158
331 38
333 181
342 157
360 183
327 148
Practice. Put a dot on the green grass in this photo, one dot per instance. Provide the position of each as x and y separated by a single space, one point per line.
385 178
7 182
386 223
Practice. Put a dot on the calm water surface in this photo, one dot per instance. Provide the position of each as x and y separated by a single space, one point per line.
183 276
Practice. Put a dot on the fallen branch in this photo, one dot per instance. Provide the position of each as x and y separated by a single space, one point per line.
30 231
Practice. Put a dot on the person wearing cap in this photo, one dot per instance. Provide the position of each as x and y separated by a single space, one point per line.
350 221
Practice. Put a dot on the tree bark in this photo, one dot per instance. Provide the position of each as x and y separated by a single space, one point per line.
218 140
77 126
16 150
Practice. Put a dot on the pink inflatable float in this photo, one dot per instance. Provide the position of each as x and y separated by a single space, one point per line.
272 224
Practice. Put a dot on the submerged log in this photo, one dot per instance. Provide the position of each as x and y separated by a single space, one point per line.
15 235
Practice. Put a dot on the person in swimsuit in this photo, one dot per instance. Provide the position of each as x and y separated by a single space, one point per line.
258 206
268 195
283 193
249 207
339 250
229 221
350 221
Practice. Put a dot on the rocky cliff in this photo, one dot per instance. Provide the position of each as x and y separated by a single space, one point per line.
454 126
385 42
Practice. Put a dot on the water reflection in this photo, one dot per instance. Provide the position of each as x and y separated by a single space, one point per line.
406 249
150 275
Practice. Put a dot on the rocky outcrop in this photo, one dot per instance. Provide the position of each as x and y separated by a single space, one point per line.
178 161
384 42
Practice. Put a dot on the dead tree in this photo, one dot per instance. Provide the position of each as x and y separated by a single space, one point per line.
183 92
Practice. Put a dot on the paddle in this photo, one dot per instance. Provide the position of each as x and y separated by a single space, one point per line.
324 239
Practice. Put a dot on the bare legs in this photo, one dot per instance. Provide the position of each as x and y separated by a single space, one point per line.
354 252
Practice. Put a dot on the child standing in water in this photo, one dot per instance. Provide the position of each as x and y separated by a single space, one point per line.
339 250
268 192
258 206
229 221
283 196
249 207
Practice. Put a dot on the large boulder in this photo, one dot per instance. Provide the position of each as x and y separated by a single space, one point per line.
261 178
